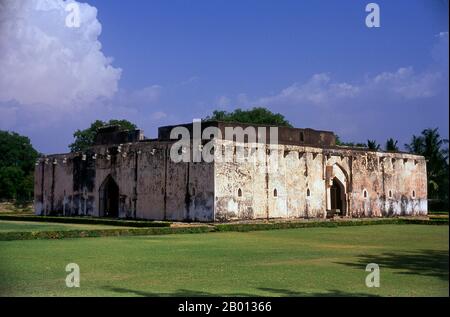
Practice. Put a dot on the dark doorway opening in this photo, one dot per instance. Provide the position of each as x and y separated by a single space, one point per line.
337 194
109 198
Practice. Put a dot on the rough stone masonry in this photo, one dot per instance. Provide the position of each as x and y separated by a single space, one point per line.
125 175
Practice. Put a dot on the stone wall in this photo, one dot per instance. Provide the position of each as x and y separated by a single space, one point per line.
298 183
150 185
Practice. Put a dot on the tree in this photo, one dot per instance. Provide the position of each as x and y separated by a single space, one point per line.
416 145
351 144
435 150
85 138
391 145
257 115
17 158
10 180
373 145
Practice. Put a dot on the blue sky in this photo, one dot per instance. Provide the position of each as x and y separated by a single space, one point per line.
316 62
257 46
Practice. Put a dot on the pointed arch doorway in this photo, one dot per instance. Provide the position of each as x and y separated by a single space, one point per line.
337 196
337 190
109 198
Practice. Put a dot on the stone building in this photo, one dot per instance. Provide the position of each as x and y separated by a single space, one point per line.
125 175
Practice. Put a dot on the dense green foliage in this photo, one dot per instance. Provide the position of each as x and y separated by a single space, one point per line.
373 145
391 145
29 227
87 220
257 115
15 230
435 150
17 159
351 144
244 227
85 138
296 262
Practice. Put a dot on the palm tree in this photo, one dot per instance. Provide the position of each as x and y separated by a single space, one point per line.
391 145
373 145
416 145
433 148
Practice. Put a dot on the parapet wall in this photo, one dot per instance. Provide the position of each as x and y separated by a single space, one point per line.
151 186
140 180
374 184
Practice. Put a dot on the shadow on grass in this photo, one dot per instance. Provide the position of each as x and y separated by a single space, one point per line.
328 293
430 263
273 292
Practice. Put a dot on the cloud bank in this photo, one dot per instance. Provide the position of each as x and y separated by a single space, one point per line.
45 62
362 109
55 79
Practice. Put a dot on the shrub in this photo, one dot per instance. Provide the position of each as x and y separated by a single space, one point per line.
87 220
65 234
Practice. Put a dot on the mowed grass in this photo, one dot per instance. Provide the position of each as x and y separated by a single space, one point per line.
11 226
296 262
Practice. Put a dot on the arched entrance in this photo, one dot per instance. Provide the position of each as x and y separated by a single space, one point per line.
109 198
337 196
337 186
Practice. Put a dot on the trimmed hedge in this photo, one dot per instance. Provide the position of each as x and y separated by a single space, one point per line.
65 234
327 224
431 213
239 227
86 220
438 204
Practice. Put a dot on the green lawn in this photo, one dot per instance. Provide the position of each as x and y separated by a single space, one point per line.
11 226
295 262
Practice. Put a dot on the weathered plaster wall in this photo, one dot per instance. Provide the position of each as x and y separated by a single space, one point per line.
54 188
295 185
299 184
269 187
151 186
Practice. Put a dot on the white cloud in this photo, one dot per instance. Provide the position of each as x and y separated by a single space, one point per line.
146 95
439 51
223 102
55 78
321 90
318 90
43 61
358 109
158 115
190 80
443 35
406 83
403 84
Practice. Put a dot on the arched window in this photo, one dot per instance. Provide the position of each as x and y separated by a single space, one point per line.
365 193
239 192
390 194
275 193
414 194
308 192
